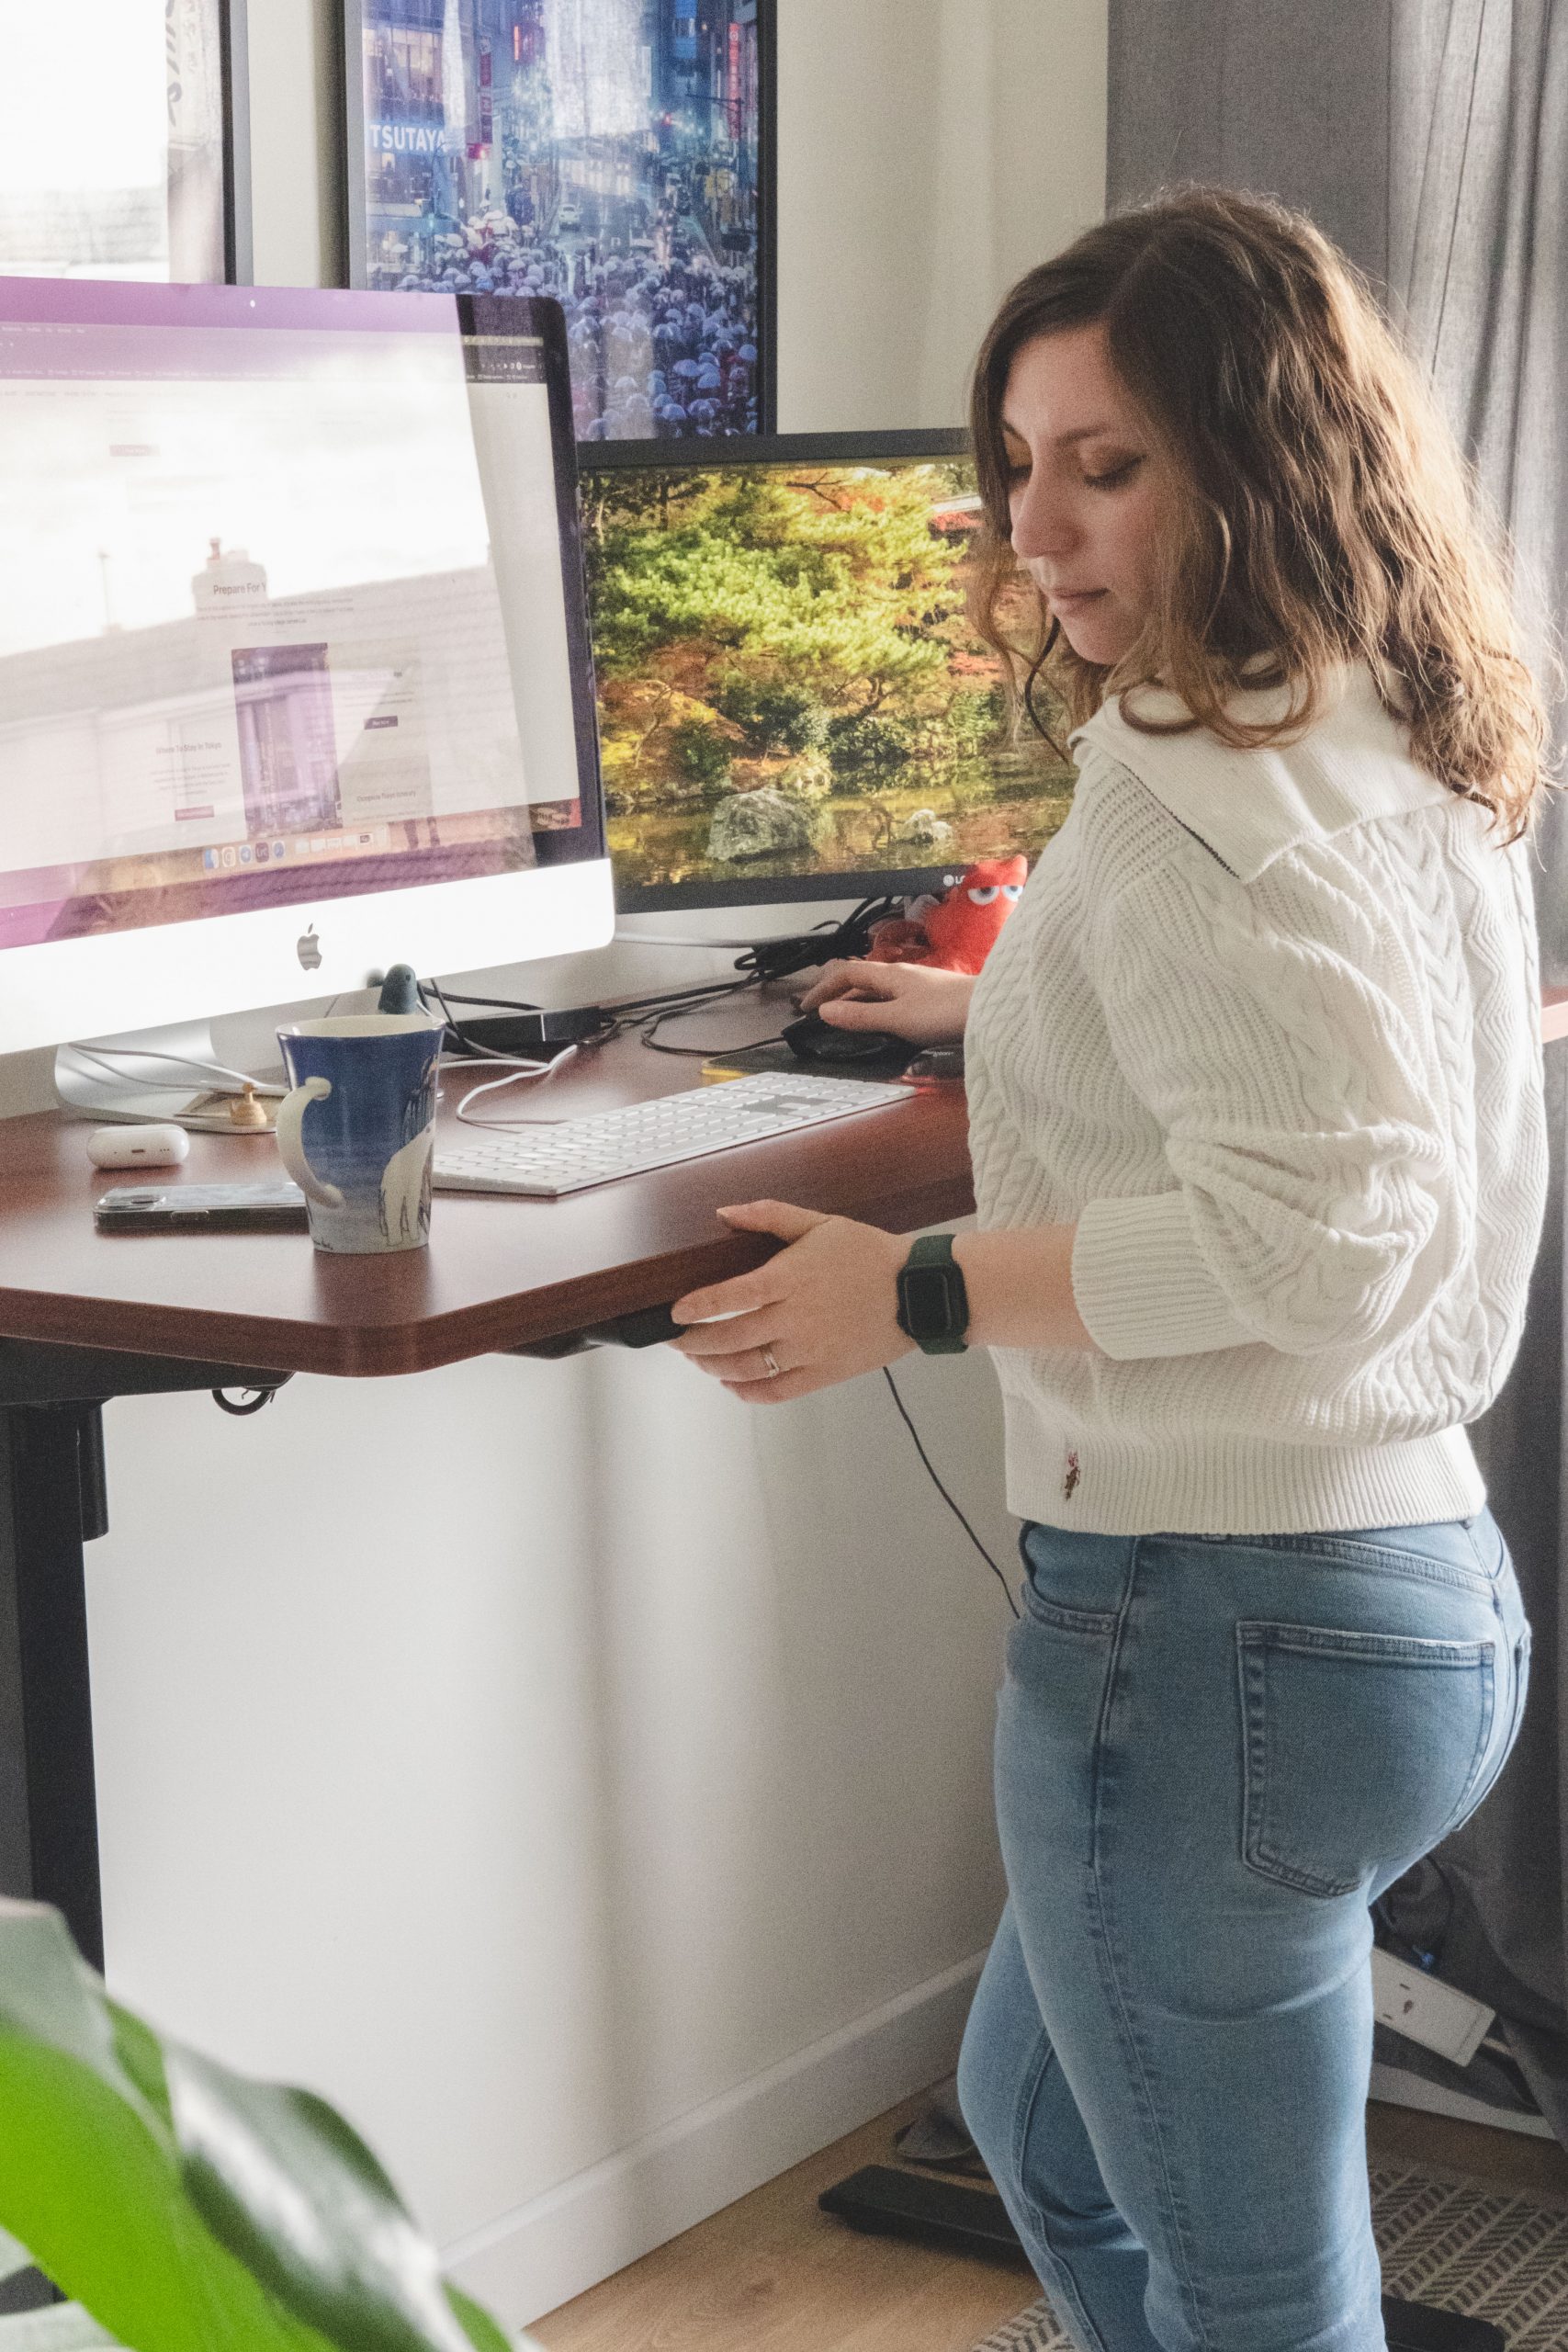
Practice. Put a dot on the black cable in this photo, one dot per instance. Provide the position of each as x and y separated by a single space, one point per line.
253 1401
652 1025
704 1053
610 1005
941 1490
775 959
771 959
767 959
615 1009
671 999
499 1003
468 1043
620 1006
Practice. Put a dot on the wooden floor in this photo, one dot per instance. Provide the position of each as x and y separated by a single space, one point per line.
772 2274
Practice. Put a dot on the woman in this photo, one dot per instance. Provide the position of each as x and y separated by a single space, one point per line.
1259 1159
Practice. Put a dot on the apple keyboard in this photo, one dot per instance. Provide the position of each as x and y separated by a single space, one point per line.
570 1154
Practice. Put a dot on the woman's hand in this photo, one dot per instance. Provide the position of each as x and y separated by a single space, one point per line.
911 1000
823 1309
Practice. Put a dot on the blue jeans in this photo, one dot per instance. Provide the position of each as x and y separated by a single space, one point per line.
1213 1753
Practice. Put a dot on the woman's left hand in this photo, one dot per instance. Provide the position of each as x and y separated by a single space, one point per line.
823 1309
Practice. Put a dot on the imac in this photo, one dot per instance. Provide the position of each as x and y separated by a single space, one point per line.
295 679
792 702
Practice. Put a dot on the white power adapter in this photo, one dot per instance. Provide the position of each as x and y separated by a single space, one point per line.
158 1146
1425 2009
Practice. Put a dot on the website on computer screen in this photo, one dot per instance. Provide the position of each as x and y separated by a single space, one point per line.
281 615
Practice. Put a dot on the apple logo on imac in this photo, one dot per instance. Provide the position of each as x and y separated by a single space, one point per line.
308 950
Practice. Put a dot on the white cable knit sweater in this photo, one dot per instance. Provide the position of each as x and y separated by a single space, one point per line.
1265 1026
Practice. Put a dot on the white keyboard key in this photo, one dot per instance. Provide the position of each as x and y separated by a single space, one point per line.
545 1161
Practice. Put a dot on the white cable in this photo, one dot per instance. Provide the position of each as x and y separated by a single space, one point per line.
154 1054
519 1069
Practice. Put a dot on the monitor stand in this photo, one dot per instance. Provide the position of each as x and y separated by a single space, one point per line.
145 1075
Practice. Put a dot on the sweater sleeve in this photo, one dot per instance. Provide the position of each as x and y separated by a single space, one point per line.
1260 1027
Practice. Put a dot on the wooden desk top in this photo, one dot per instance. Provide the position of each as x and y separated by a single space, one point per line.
498 1272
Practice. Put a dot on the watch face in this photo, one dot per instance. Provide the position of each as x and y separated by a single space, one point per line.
928 1301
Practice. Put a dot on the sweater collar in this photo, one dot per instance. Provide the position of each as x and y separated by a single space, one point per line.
1250 806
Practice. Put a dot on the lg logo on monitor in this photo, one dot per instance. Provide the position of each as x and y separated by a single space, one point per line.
308 950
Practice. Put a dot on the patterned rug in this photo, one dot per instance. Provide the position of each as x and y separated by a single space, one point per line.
1492 2255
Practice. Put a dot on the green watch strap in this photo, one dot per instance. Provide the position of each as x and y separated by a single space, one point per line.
933 1306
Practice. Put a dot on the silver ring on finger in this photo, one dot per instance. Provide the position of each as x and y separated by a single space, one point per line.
772 1363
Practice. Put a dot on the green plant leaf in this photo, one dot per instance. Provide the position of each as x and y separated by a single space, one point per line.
286 2185
478 2327
47 1992
188 2208
137 2048
95 2196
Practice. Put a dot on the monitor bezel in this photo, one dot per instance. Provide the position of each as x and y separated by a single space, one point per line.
784 449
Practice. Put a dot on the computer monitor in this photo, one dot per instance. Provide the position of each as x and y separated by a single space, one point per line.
792 702
294 671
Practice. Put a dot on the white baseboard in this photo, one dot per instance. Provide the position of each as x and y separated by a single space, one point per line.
1396 2089
532 2260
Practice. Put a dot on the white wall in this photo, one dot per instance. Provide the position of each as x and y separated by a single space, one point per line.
930 152
583 1778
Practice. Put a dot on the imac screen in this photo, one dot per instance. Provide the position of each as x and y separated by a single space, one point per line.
289 601
789 690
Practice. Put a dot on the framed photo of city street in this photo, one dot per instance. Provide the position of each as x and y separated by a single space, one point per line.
618 155
128 155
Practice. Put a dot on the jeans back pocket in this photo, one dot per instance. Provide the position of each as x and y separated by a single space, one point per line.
1359 1749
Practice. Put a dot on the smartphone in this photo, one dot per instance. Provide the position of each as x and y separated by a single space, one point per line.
200 1208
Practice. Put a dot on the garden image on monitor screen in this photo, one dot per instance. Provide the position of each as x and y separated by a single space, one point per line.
789 683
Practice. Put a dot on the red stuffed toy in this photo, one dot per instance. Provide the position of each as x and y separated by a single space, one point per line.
958 931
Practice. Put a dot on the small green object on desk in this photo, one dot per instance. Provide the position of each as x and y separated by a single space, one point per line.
399 990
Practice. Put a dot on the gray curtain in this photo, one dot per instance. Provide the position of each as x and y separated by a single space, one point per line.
1429 138
1291 97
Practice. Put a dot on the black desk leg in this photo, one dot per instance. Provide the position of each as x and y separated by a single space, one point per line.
52 1502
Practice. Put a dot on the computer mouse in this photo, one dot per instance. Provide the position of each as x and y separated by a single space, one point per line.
816 1040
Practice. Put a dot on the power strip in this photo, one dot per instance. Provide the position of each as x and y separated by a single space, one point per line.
1425 2009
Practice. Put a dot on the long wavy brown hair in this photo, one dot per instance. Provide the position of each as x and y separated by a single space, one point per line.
1324 512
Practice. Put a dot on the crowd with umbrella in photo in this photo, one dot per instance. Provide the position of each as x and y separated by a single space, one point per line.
634 205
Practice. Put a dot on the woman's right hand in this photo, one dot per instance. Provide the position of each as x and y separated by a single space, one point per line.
915 1001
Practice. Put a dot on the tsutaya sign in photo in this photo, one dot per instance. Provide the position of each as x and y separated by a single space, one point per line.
407 139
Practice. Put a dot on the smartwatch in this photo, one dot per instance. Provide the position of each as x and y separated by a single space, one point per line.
933 1306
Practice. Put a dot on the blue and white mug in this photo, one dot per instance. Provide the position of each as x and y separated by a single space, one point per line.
357 1131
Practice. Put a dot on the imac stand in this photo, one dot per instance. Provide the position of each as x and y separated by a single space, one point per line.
172 1076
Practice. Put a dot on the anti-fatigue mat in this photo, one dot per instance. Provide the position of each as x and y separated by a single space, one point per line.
1491 2255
